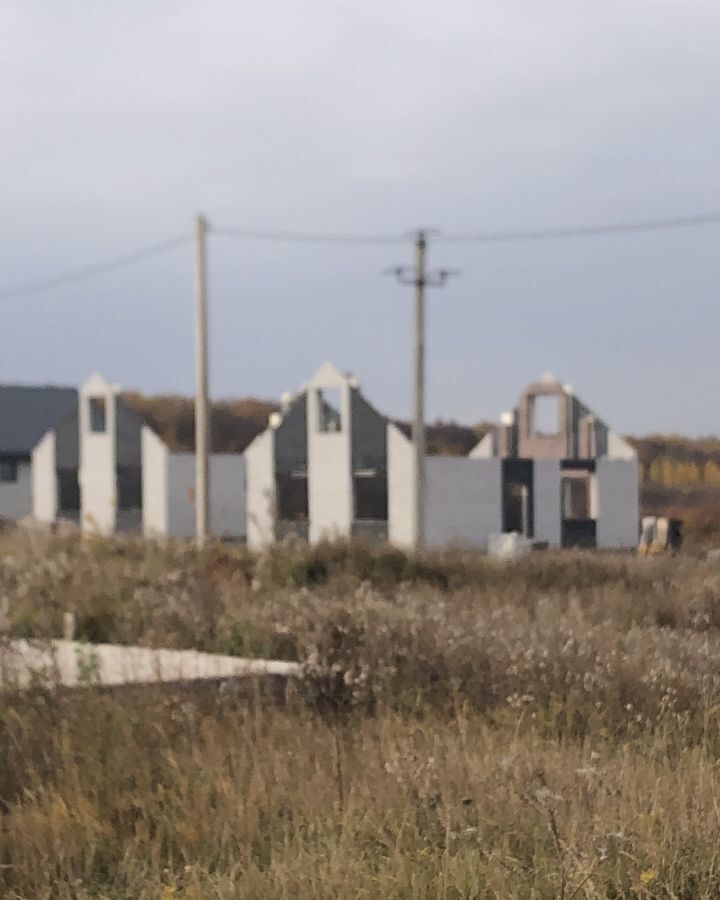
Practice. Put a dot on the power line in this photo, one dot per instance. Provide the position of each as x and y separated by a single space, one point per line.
119 262
516 236
583 231
302 237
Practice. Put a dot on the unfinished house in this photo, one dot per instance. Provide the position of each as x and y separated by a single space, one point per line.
26 413
104 467
320 468
567 479
330 465
88 467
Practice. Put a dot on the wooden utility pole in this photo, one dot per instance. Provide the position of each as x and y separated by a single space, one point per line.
202 425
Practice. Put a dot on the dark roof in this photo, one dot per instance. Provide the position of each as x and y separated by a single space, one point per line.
27 413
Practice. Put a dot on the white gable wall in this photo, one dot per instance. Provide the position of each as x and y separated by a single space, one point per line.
330 489
154 484
44 480
260 489
401 488
485 447
618 448
98 461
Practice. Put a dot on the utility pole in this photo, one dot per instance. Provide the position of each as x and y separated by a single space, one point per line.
418 431
202 429
420 278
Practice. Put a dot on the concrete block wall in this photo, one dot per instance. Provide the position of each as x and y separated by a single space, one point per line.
463 501
228 510
181 494
618 503
169 492
16 496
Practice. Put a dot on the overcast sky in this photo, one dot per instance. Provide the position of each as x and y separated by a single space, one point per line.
122 120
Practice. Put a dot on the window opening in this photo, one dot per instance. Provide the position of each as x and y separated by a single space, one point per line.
329 410
515 508
8 471
370 495
98 414
68 490
292 496
576 503
129 487
546 415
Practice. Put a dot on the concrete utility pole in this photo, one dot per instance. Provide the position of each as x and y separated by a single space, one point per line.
202 402
420 278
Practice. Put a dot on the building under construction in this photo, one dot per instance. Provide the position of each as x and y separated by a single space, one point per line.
330 465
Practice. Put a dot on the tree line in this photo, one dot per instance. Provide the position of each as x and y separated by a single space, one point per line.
670 461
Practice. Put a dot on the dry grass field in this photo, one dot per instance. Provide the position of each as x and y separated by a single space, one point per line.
465 728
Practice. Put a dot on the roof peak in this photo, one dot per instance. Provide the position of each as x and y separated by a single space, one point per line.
549 378
328 375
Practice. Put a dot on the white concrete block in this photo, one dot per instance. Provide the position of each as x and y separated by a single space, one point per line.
401 488
155 511
98 460
618 503
463 502
509 545
44 480
260 490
